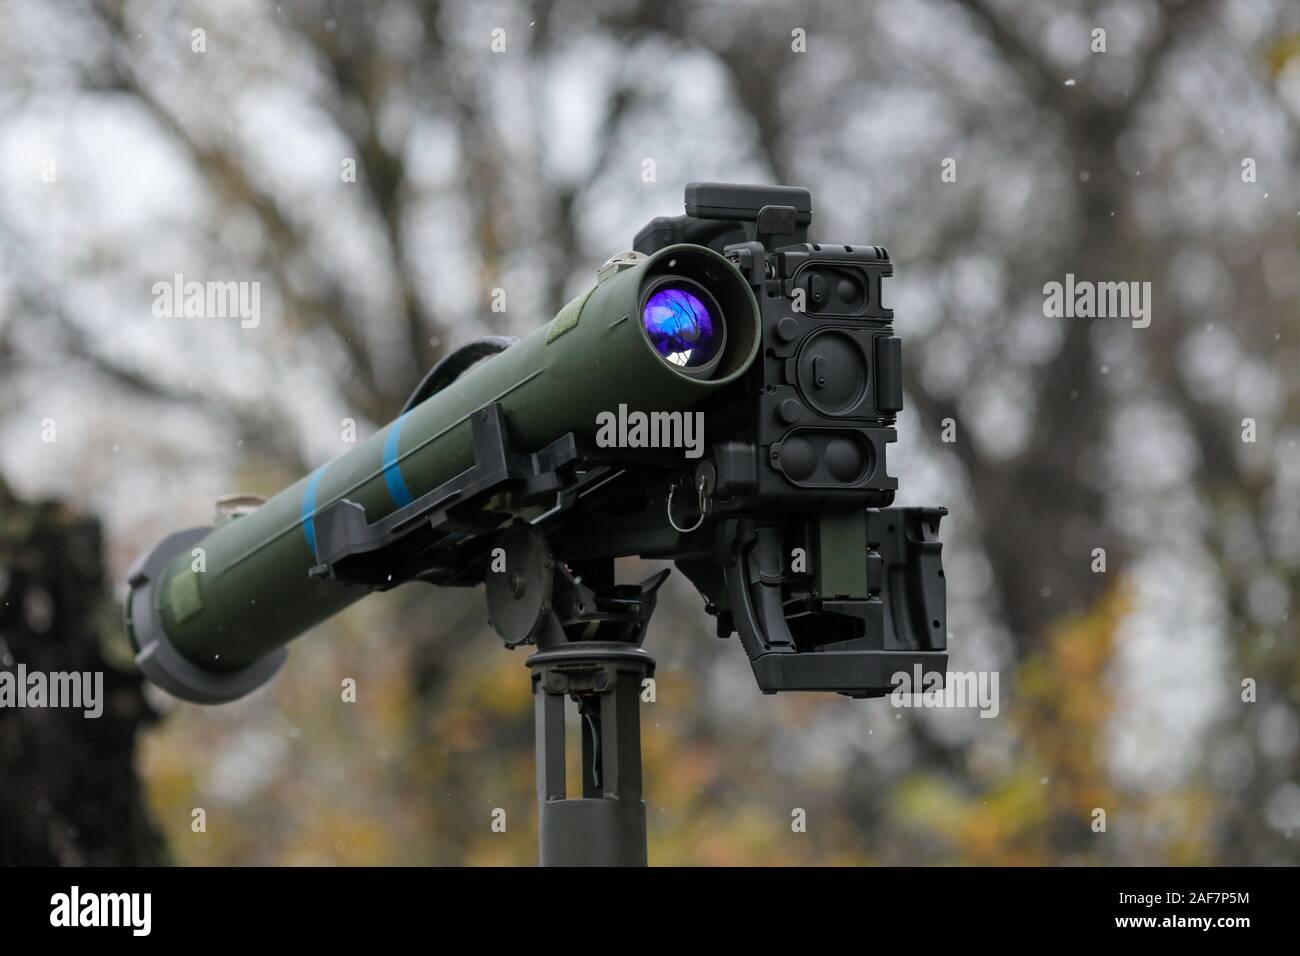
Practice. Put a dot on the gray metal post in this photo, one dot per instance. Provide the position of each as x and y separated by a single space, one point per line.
606 826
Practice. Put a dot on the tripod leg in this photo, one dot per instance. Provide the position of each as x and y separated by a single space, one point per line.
549 745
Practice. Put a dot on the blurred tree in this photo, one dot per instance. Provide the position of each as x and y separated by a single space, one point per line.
71 795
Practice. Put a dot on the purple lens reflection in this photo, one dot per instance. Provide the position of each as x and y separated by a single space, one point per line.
681 327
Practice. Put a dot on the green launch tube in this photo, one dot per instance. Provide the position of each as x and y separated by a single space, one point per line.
211 609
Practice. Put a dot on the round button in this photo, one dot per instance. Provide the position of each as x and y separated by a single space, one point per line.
787 330
798 458
789 411
845 459
832 373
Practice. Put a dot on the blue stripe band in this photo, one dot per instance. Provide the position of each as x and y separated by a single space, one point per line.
392 472
309 507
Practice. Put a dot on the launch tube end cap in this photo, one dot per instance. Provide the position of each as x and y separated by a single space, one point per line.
156 656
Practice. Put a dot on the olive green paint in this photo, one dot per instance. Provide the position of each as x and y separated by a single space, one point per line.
255 593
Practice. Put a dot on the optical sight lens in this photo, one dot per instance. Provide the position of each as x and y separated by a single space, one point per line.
682 328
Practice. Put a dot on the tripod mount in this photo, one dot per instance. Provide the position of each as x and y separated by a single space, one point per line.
589 651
